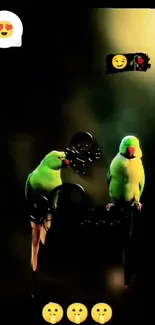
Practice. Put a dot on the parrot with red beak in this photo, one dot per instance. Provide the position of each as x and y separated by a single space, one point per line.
44 178
126 176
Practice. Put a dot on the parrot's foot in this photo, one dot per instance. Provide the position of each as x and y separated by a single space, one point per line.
109 206
139 206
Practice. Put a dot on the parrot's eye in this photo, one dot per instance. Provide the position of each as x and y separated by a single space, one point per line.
59 157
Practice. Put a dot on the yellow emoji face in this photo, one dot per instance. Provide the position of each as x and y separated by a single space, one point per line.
101 313
6 29
119 61
52 313
77 313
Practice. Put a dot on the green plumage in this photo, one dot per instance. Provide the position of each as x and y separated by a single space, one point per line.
47 175
126 177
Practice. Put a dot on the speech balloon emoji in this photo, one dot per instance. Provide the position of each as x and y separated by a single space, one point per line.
11 30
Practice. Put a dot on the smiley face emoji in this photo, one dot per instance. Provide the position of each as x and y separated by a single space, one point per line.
77 313
6 29
101 313
52 313
119 61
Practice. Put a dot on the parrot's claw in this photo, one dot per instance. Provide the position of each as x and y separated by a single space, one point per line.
139 206
109 206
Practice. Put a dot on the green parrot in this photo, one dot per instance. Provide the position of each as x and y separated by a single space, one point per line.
126 176
47 175
44 179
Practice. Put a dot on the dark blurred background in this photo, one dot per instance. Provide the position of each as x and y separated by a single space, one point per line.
52 87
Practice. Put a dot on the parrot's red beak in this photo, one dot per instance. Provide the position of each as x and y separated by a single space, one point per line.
67 162
131 151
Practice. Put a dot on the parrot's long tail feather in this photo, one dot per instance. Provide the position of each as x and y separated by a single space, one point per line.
35 245
36 229
43 234
34 257
45 228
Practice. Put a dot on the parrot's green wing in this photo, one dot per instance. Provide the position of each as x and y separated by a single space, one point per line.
142 182
27 185
108 177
